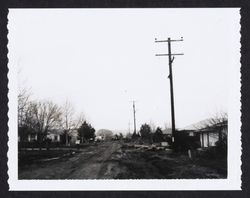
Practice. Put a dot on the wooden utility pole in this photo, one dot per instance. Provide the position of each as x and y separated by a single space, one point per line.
134 117
170 61
129 127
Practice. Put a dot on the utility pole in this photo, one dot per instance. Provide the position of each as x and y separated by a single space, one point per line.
134 117
170 61
129 127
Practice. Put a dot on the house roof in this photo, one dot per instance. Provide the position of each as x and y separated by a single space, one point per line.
197 125
204 125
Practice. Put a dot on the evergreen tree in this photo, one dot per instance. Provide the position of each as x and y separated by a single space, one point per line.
145 131
86 132
158 135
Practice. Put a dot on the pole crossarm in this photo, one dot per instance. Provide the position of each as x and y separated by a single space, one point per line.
161 41
169 54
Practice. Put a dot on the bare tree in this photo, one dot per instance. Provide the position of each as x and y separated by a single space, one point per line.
79 120
42 117
152 126
218 118
23 102
167 128
68 122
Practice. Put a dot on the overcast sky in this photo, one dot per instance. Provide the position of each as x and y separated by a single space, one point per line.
102 59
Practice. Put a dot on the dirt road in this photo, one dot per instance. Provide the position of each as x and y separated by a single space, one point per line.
89 163
117 160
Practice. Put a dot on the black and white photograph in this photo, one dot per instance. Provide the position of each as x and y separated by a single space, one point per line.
127 99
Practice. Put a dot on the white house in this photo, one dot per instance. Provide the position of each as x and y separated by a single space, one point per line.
208 135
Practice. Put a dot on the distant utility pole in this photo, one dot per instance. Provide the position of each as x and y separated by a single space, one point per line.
129 127
134 117
170 61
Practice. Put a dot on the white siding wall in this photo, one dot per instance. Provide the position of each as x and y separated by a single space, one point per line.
209 139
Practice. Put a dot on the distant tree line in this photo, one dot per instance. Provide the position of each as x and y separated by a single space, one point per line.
149 134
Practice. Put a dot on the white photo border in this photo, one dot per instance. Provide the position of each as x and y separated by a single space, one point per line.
233 181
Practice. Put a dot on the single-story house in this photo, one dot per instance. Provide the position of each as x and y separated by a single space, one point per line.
208 135
55 135
32 136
